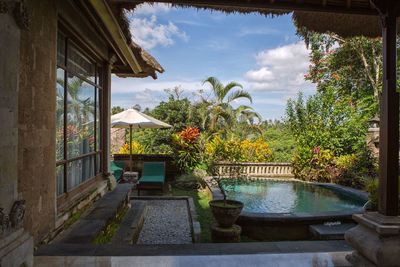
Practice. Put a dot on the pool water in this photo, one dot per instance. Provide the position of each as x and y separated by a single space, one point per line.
279 196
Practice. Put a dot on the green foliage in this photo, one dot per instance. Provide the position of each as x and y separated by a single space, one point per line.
186 149
106 235
136 148
116 110
322 166
235 149
280 140
191 181
327 121
372 189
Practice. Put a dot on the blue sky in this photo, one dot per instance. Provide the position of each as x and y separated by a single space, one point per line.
261 53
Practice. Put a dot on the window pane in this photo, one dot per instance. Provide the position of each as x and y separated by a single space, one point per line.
60 115
80 171
80 64
80 118
98 140
60 49
60 179
98 158
98 78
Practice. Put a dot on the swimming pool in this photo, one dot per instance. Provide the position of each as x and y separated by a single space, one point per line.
276 209
281 196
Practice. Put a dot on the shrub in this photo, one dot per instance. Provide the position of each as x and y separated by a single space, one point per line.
314 165
372 189
191 181
186 150
237 150
136 148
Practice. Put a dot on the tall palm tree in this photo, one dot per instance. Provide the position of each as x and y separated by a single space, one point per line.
220 107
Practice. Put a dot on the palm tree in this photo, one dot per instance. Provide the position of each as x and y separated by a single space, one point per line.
220 106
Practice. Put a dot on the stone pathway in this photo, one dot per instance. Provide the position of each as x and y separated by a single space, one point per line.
167 222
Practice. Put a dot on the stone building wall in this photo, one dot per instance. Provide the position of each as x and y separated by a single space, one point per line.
36 118
117 136
9 64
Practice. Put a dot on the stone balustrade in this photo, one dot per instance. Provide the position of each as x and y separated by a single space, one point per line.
253 169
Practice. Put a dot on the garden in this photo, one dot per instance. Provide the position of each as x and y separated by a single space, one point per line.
322 135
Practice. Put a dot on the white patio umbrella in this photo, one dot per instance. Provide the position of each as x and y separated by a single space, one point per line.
131 118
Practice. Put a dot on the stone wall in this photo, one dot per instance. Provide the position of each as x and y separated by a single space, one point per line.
36 118
9 64
117 136
373 141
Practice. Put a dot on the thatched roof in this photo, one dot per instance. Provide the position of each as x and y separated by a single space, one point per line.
148 63
345 17
345 25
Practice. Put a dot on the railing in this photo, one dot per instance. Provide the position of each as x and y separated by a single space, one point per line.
253 169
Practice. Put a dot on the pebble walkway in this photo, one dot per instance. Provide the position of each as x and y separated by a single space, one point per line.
166 222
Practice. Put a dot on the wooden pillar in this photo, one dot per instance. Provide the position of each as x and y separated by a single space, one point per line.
389 119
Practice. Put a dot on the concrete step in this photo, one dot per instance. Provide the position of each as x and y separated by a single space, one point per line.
330 232
131 225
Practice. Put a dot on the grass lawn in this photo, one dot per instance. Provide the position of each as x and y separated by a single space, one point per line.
200 200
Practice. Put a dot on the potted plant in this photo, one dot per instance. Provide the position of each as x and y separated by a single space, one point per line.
225 211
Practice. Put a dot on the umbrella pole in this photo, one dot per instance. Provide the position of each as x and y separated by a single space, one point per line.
130 147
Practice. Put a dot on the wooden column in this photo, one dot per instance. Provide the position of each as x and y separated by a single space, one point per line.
389 119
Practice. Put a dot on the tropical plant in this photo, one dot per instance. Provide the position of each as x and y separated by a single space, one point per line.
220 106
186 150
236 150
136 148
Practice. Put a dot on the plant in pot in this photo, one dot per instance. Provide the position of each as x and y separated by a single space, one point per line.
225 211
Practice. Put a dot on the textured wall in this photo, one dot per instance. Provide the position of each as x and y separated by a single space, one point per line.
36 118
9 54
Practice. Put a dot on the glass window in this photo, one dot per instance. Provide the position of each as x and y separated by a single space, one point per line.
80 127
78 123
60 49
60 179
80 64
60 115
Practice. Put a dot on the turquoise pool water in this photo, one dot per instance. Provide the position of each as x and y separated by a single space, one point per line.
278 196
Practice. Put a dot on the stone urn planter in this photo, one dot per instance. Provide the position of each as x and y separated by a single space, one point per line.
225 212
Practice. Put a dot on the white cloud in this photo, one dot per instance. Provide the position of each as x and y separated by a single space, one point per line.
145 9
257 31
148 33
131 85
281 70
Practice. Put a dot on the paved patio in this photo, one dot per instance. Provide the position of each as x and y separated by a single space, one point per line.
292 259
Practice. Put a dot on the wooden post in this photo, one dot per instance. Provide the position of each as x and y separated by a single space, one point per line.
389 120
130 147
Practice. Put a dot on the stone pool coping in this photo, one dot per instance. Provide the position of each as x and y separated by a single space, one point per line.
193 218
292 225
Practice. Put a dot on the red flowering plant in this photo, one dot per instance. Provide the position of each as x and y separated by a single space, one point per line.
187 152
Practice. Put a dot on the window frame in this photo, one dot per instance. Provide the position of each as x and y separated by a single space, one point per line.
69 195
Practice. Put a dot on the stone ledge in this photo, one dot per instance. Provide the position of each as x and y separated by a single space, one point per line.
89 226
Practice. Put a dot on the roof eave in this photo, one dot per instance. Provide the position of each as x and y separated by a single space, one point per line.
110 22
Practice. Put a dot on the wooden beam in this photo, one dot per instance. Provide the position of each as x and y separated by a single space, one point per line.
389 119
110 22
348 3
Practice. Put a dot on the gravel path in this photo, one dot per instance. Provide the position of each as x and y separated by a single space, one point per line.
167 222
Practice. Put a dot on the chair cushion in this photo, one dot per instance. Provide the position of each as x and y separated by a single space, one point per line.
153 172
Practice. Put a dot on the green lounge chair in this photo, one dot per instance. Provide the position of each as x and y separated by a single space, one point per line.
153 176
118 169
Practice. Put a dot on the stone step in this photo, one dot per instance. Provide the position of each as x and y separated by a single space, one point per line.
89 226
131 225
330 232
